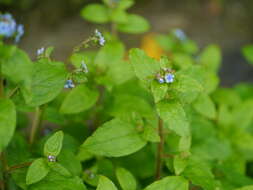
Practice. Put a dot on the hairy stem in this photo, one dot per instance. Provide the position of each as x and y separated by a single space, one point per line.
160 147
35 124
13 92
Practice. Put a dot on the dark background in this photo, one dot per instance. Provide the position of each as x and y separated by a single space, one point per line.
227 23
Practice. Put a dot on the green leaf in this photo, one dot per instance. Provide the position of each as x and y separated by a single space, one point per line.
118 16
135 24
55 181
37 171
53 144
126 179
7 122
211 57
17 67
145 67
96 13
205 106
158 90
169 183
179 164
185 88
248 53
199 173
248 187
48 80
115 138
174 116
125 4
54 166
79 99
105 184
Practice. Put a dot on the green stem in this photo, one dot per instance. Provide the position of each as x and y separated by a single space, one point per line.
13 92
114 29
1 86
35 124
160 147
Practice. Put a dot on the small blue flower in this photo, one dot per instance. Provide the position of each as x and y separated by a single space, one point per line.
20 32
169 78
69 84
84 67
180 34
7 25
40 51
160 80
101 39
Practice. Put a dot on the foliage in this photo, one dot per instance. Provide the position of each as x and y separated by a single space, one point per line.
110 119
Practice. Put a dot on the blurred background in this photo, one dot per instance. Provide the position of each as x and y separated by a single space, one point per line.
227 23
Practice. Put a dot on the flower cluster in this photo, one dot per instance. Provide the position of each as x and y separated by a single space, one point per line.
69 84
40 51
9 27
51 158
166 77
100 37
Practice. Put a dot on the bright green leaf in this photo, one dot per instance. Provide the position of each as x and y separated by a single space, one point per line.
48 80
105 184
248 53
169 183
126 179
145 67
79 99
97 13
158 90
115 138
53 144
205 106
7 122
37 171
174 117
135 24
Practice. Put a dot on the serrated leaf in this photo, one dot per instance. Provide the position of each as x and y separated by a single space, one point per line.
174 116
145 67
97 13
37 171
115 138
169 183
205 106
53 144
105 184
158 90
135 24
48 80
79 99
126 179
7 122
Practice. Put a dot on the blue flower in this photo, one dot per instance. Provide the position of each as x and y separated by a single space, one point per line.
20 32
7 25
180 34
40 51
69 84
169 78
101 39
160 80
